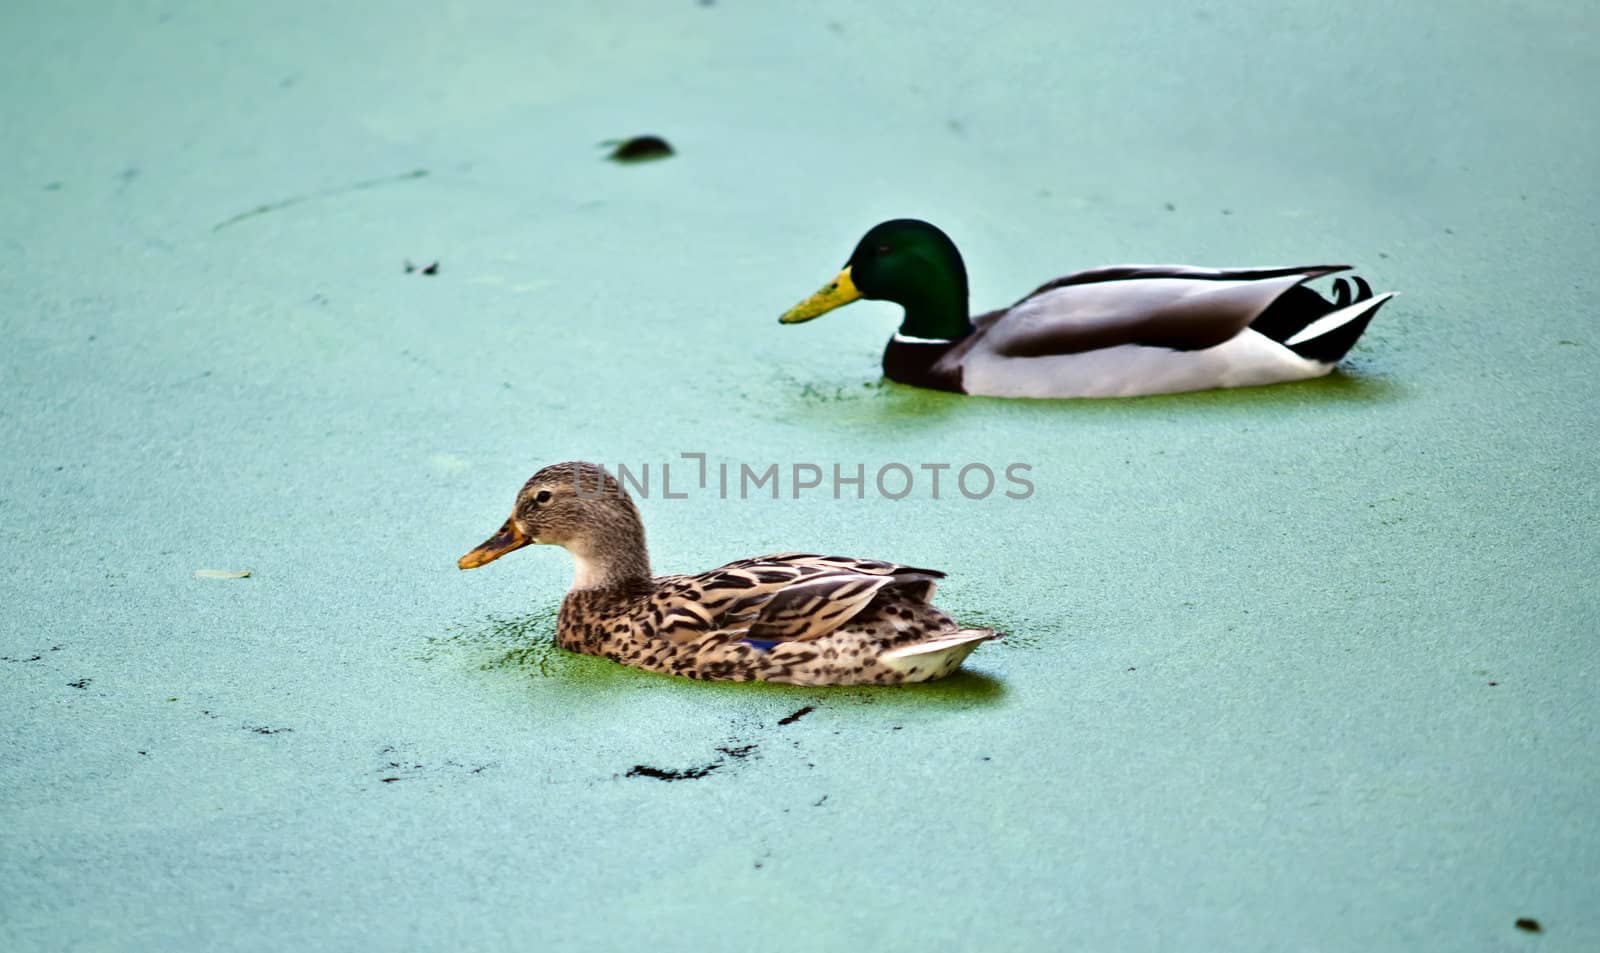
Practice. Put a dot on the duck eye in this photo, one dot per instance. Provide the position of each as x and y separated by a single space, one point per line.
884 249
543 496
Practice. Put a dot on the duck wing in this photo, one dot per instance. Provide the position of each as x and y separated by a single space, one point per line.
1164 306
786 597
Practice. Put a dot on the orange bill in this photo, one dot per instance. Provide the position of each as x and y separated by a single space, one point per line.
507 539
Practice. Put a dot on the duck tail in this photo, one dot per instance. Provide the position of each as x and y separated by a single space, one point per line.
1330 337
1315 328
938 656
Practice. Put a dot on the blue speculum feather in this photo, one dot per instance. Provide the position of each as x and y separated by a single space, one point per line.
762 644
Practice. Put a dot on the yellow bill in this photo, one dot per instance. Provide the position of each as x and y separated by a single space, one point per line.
508 539
839 292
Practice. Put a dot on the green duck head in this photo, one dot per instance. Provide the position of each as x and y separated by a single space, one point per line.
909 262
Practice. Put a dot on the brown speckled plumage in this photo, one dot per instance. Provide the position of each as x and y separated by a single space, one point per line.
790 617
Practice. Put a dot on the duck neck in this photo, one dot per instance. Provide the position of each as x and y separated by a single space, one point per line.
936 308
620 562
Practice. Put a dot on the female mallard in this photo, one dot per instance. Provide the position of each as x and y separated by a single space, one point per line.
1120 331
791 617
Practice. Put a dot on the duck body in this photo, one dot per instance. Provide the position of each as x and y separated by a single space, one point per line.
798 618
1121 331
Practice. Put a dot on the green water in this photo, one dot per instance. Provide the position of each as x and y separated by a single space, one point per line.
1308 667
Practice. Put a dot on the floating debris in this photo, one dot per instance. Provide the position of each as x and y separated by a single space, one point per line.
1529 925
796 716
733 751
448 463
222 573
432 269
668 774
638 149
325 193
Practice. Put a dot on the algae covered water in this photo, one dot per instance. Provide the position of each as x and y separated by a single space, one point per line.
308 294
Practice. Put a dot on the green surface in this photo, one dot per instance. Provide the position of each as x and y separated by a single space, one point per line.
1309 667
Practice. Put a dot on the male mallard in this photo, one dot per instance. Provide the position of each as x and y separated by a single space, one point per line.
790 617
1120 331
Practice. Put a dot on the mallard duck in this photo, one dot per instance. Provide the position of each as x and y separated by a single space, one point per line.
790 617
1121 331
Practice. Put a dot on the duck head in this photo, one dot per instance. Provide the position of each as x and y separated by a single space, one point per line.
909 262
581 508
